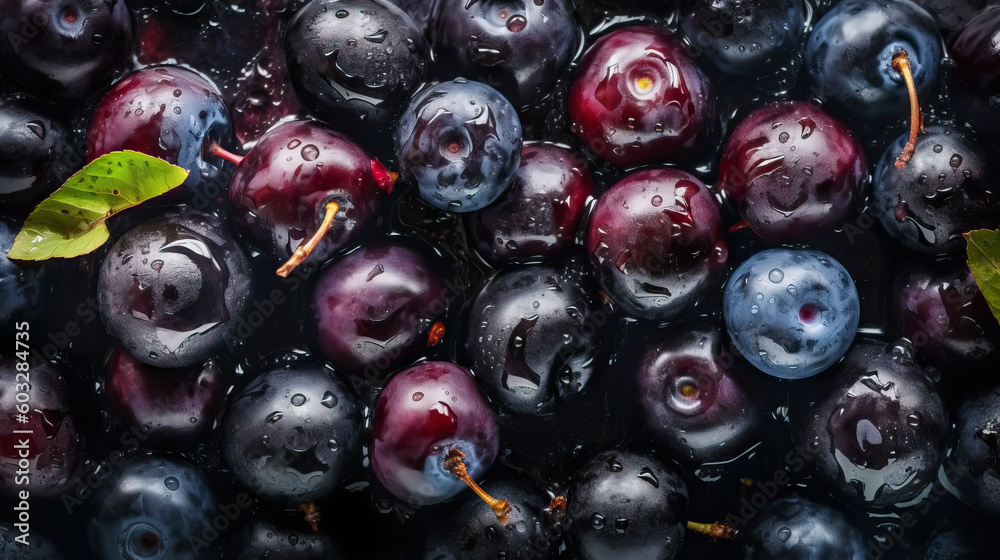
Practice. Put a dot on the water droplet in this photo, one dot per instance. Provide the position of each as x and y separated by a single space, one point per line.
294 144
914 419
784 534
614 466
274 416
310 152
352 42
956 160
808 126
341 13
776 275
783 137
171 483
535 305
512 245
377 37
516 23
938 148
597 521
177 110
792 290
37 128
333 445
754 309
621 524
657 200
649 476
298 399
329 400
417 396
156 265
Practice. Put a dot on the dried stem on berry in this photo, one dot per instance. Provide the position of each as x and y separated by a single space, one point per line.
436 334
454 464
303 251
557 506
216 150
901 62
312 515
713 530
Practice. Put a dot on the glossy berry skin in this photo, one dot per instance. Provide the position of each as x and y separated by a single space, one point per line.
941 310
280 189
460 142
31 140
791 313
375 308
63 50
519 48
171 289
698 400
796 527
976 452
474 533
639 98
176 404
39 547
849 56
167 112
742 38
538 217
944 191
625 505
875 427
793 172
149 507
423 413
293 435
977 73
22 284
56 449
355 63
263 540
534 338
655 245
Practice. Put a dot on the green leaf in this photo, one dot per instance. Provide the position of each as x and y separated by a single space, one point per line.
983 247
71 222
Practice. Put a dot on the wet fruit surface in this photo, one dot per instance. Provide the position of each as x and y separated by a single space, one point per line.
171 290
655 244
460 142
423 413
793 172
791 313
637 98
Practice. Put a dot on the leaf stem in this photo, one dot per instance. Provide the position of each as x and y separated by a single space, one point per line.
303 251
901 63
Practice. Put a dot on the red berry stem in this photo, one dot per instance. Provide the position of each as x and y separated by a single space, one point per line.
216 150
303 251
